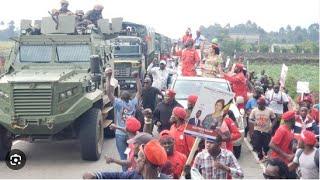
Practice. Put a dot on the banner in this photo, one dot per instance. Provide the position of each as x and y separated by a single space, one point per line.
208 113
283 75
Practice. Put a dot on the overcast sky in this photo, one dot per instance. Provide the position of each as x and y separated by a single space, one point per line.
172 17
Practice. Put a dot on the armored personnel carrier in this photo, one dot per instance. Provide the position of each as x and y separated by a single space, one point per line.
53 87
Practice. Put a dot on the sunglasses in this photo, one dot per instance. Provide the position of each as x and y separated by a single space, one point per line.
266 176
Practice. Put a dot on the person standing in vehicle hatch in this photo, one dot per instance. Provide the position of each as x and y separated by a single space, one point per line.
123 107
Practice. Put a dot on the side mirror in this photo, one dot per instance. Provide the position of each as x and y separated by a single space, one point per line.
95 64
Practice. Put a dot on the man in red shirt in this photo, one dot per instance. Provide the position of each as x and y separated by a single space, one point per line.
281 142
176 159
238 81
187 37
190 60
183 143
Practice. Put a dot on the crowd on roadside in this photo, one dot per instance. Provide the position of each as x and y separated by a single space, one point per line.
284 135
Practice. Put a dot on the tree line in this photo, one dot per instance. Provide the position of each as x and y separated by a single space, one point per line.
303 40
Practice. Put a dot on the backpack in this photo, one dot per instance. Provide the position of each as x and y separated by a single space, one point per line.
316 156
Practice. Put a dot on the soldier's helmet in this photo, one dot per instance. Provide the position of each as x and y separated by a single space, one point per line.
98 7
79 12
64 2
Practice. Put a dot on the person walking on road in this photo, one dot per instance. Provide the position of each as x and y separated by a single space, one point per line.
176 159
183 142
192 99
160 74
149 94
281 142
261 118
163 111
216 163
124 107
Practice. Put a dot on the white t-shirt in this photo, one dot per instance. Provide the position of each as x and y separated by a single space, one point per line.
160 77
309 169
274 98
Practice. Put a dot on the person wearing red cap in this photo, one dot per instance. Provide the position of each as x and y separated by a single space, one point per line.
183 143
176 159
150 158
307 156
163 111
305 122
282 140
238 81
132 128
192 99
190 60
261 118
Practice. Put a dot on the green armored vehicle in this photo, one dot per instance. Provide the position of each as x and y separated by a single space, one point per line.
53 87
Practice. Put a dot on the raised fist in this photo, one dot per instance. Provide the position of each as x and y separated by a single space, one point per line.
147 113
135 74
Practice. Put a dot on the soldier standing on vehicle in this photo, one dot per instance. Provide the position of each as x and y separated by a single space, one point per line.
95 14
81 23
123 107
64 8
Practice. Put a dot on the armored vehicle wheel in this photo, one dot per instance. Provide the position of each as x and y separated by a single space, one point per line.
5 143
91 134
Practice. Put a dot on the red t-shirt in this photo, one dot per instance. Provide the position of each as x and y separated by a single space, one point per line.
178 160
282 138
234 133
183 143
185 38
239 84
189 59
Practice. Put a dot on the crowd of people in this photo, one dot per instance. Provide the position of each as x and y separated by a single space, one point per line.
284 136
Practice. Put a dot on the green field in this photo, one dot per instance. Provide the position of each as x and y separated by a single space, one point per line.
296 72
5 47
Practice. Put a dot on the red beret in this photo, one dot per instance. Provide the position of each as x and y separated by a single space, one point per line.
165 134
170 93
289 115
132 124
308 137
179 112
155 153
192 99
261 101
240 66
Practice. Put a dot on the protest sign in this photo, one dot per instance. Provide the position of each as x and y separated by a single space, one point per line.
283 75
207 112
303 87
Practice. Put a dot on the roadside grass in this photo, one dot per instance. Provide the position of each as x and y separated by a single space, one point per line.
5 47
296 72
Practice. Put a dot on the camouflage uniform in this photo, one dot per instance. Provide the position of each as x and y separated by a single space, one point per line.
94 15
81 23
64 10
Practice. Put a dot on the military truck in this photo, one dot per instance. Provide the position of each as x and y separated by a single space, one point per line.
53 87
133 51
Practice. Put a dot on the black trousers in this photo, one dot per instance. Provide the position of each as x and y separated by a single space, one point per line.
261 142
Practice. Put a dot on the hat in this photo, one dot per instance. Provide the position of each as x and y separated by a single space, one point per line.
308 137
64 2
170 93
261 101
165 134
240 66
179 112
141 138
163 62
214 41
132 124
98 7
155 153
289 115
192 99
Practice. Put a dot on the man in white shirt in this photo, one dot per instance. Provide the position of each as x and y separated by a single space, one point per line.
276 100
160 75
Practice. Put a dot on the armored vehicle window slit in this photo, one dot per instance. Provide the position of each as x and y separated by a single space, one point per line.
73 53
35 53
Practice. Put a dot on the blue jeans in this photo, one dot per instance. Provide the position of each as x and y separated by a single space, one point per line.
121 143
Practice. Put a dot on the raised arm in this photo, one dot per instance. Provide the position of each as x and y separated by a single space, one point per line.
135 75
